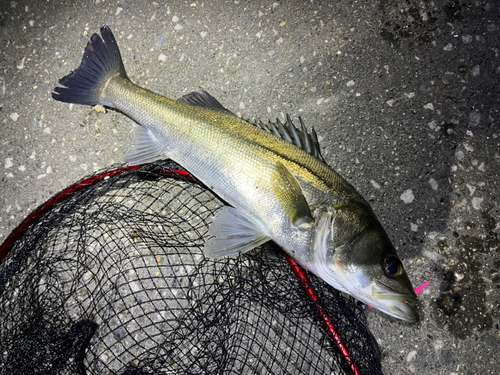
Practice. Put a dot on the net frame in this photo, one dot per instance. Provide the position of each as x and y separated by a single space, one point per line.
352 361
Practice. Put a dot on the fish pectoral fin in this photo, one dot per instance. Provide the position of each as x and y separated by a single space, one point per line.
233 234
290 197
203 99
144 149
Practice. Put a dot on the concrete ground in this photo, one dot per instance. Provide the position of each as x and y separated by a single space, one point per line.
404 96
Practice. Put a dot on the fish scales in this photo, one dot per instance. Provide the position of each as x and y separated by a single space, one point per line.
227 141
229 155
277 190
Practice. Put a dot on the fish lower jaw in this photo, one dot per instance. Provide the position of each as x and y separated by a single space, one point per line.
404 312
397 307
400 306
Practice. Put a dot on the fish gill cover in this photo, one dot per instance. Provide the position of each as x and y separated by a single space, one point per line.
108 277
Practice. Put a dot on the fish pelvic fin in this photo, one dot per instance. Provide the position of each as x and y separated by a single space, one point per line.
100 61
233 234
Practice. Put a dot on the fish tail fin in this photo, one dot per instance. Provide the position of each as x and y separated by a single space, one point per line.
101 60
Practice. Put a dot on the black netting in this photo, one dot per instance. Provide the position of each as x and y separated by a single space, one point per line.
109 277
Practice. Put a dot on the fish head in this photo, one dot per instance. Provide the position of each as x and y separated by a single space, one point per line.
354 254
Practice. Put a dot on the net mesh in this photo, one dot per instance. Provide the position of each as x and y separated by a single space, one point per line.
109 277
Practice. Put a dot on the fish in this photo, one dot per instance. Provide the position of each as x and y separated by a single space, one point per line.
272 175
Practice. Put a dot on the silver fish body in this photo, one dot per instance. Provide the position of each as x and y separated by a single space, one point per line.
277 191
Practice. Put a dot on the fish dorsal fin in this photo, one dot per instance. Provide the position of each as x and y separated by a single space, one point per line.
202 99
233 234
287 130
298 137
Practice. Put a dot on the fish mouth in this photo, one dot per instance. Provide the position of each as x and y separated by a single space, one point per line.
394 303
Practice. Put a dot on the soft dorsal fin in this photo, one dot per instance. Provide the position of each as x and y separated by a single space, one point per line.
202 99
298 137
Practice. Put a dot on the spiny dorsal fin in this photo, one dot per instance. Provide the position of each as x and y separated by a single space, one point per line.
298 137
203 99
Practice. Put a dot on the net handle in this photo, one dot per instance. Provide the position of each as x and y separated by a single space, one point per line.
301 274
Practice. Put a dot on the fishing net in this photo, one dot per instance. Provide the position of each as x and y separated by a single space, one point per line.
109 277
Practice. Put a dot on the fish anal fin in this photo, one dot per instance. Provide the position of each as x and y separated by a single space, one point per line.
290 197
143 149
233 234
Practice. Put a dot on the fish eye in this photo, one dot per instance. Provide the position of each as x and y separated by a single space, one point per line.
392 267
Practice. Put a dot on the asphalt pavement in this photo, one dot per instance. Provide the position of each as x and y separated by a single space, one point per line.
403 95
